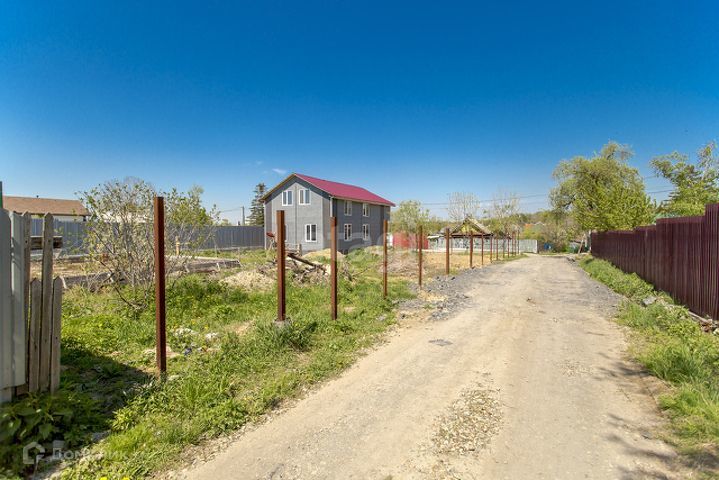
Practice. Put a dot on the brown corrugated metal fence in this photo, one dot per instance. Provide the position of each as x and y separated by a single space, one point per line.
677 255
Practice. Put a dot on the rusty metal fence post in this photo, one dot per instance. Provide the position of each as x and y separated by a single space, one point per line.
280 235
384 258
160 315
471 249
446 241
482 249
333 266
420 246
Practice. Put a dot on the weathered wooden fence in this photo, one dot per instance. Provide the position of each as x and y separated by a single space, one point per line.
677 255
30 312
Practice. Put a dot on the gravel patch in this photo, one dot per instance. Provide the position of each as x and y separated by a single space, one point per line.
470 424
453 291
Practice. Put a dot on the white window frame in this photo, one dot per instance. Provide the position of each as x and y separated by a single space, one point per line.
287 195
348 208
308 230
365 210
365 231
346 237
304 196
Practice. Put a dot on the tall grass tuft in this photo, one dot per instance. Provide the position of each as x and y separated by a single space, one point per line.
672 346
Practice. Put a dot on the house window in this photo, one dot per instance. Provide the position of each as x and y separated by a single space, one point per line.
348 208
304 196
365 231
287 198
348 231
365 209
311 233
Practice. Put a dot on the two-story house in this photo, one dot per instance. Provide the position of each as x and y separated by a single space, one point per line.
310 202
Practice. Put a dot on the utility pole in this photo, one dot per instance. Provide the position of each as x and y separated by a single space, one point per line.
1 204
243 216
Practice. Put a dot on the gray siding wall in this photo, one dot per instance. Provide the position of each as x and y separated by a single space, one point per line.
377 214
297 216
319 211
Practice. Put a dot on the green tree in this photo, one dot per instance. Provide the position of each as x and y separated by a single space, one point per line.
551 226
602 192
257 210
409 216
695 184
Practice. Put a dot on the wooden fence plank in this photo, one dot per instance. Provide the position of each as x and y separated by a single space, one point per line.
27 231
46 322
19 334
33 362
6 323
56 329
27 225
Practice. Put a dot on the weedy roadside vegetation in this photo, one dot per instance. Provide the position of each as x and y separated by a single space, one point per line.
228 364
673 347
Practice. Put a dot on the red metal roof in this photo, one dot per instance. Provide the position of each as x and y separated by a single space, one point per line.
344 190
340 190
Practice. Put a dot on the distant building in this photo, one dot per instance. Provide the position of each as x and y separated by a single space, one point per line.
310 202
63 210
459 234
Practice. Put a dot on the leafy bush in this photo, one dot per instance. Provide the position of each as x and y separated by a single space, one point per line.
69 417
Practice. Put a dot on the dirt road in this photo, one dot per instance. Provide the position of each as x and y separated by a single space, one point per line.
527 380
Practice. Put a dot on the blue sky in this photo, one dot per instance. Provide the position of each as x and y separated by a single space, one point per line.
412 100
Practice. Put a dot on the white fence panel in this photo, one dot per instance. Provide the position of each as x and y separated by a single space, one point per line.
13 326
6 321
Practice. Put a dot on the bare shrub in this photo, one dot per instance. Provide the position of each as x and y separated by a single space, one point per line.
120 232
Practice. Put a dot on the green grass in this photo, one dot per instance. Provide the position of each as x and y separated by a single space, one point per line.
249 367
672 346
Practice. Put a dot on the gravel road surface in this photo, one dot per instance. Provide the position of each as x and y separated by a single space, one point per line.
525 377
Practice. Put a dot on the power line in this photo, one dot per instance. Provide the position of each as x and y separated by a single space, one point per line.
525 196
440 204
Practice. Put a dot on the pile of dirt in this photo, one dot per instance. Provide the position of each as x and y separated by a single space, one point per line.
250 280
319 254
402 263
